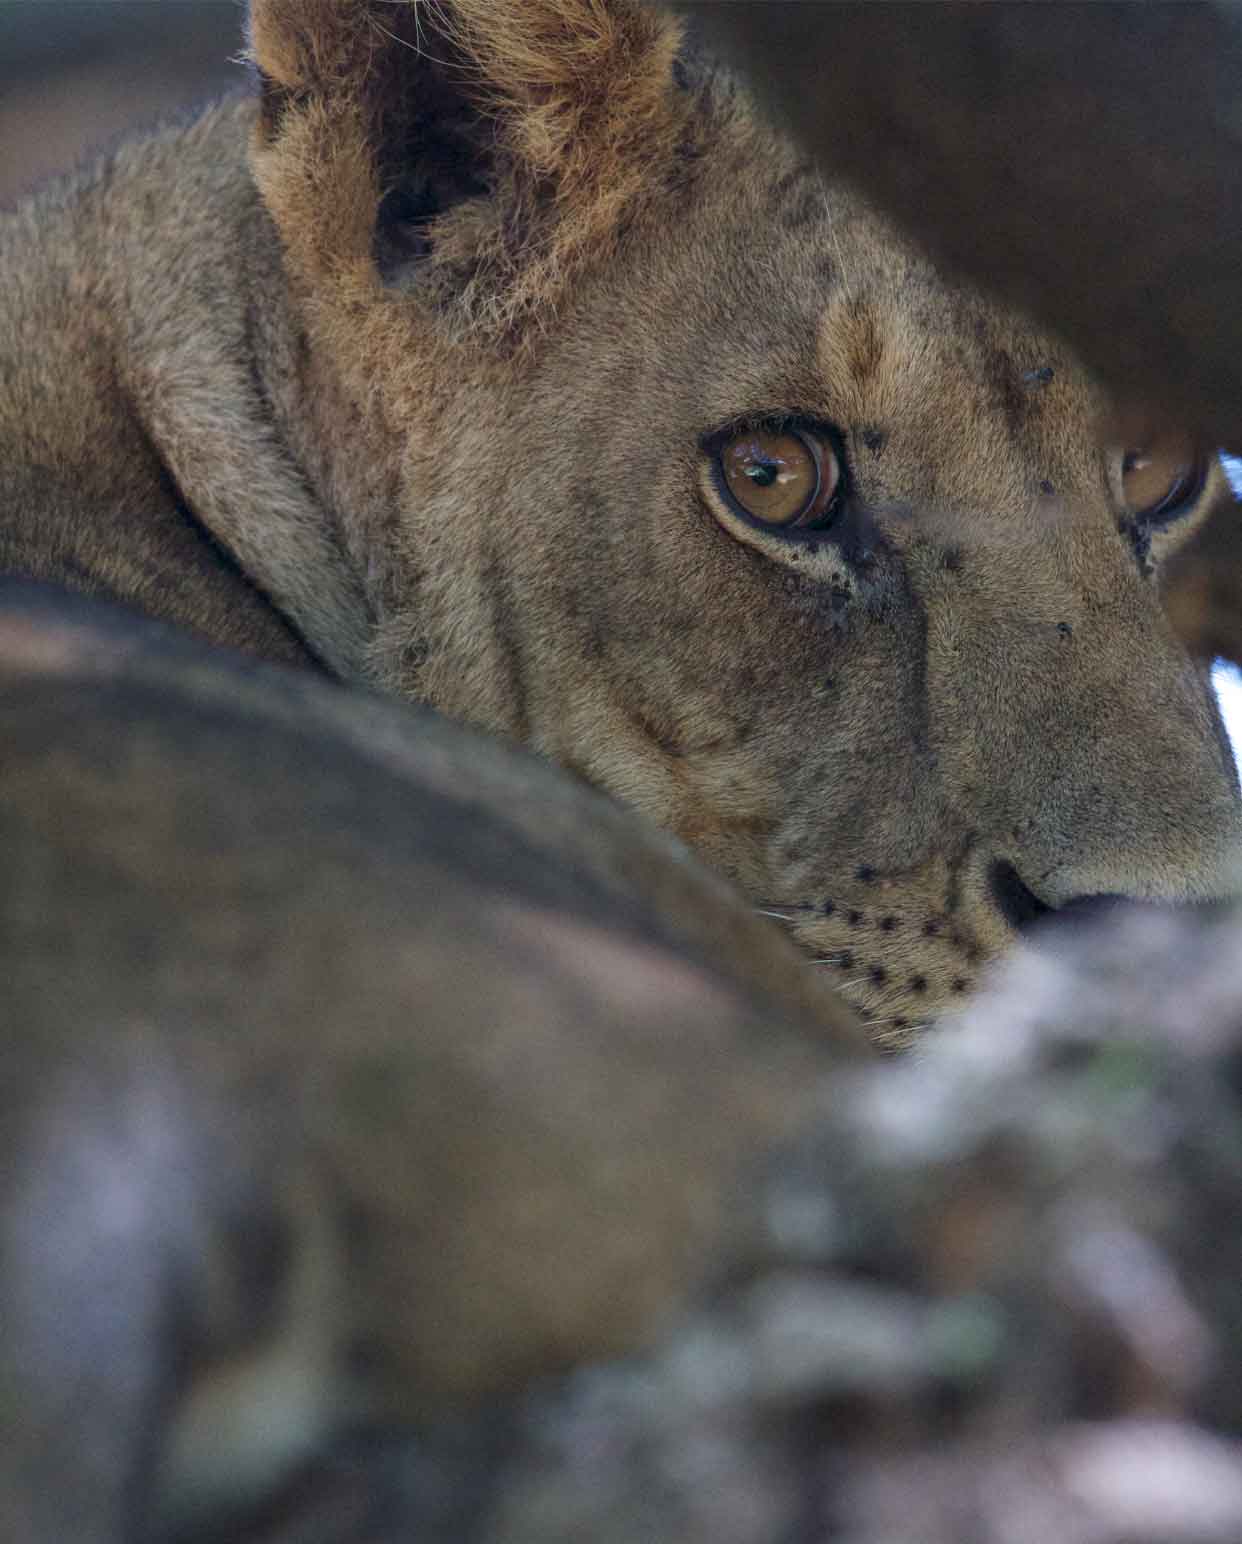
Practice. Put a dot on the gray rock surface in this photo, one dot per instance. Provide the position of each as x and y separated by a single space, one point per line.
993 1296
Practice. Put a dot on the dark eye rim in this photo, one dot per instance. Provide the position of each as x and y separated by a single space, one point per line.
1182 497
809 431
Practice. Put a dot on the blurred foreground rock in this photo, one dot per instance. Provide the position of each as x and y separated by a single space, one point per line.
994 1297
990 1297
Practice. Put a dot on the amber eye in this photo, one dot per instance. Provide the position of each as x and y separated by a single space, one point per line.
1161 477
787 479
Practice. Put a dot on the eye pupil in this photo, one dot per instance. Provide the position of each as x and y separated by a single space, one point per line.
762 473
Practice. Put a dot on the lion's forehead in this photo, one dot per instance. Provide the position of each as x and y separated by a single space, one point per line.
942 402
792 295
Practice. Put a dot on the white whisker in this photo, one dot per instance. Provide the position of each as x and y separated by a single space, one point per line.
416 47
836 244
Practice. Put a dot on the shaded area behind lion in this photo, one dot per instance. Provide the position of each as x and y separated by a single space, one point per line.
74 74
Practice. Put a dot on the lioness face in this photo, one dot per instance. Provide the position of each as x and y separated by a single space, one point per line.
699 481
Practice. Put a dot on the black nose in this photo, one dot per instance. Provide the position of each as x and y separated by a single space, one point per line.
1022 908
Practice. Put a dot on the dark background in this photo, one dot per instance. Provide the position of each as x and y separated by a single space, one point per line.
76 74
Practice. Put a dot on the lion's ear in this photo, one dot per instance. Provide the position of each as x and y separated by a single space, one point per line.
474 152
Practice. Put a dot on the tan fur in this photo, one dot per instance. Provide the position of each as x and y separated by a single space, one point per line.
460 455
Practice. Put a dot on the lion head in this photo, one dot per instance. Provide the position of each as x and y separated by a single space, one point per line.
659 453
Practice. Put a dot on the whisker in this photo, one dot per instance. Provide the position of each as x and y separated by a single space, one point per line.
416 47
836 244
853 980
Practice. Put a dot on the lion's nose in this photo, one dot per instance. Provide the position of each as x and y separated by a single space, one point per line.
1022 908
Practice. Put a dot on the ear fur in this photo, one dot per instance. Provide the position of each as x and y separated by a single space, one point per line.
474 152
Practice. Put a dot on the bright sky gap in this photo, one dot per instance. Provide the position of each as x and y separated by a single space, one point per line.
1226 678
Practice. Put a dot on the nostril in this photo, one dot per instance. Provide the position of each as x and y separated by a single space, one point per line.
1019 906
1022 908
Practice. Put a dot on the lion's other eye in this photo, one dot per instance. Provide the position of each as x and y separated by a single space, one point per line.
787 479
1162 476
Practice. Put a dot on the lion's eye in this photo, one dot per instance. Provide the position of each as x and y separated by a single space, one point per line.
787 479
1162 477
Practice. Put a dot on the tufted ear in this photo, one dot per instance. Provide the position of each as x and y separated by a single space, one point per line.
472 152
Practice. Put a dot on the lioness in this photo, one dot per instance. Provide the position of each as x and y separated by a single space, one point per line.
497 353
